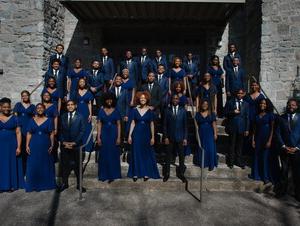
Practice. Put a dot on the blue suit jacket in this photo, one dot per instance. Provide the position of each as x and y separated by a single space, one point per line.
155 63
227 61
143 68
73 133
64 62
163 83
123 102
175 127
192 69
108 68
289 135
61 80
133 71
233 82
96 81
237 123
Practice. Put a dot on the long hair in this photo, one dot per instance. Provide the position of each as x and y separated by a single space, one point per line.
209 106
269 108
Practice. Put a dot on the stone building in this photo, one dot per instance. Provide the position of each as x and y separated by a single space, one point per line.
267 33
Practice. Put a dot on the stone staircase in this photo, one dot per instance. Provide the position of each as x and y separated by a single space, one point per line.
220 179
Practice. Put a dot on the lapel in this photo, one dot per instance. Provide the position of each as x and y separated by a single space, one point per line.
294 121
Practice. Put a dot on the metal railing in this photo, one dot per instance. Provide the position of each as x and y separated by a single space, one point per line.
37 86
198 142
80 161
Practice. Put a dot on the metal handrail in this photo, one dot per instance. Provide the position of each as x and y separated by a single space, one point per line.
198 141
37 86
264 93
80 161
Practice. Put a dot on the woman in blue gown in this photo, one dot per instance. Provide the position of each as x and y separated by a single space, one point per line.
109 139
218 77
50 109
51 88
73 77
178 88
84 107
208 135
11 172
142 161
40 172
24 111
207 91
177 73
261 141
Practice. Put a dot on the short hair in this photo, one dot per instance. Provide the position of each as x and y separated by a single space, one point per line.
55 61
238 90
178 83
46 92
160 65
61 45
292 99
141 93
73 101
5 100
109 96
269 104
151 72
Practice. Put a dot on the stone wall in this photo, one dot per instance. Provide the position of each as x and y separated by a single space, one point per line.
280 48
21 45
29 30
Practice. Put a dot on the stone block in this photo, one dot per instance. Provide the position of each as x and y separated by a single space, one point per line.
283 29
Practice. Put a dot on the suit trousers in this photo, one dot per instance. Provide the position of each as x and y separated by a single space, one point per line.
69 162
234 156
174 147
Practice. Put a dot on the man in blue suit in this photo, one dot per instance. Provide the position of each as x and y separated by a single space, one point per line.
288 138
175 137
144 65
59 74
159 59
237 114
108 66
232 53
72 130
162 80
191 66
95 79
235 78
132 66
64 61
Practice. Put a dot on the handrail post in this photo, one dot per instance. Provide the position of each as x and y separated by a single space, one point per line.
80 173
198 141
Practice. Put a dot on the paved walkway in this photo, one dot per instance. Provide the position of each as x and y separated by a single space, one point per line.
136 207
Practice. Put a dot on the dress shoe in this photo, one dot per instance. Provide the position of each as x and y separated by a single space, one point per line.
134 179
230 166
166 178
146 178
182 178
62 187
110 181
82 188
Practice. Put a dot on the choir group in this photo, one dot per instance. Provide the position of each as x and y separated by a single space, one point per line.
147 96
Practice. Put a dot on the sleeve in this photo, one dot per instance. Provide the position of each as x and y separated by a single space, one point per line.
197 118
213 117
55 112
69 74
51 126
185 126
32 109
29 128
118 115
90 96
16 108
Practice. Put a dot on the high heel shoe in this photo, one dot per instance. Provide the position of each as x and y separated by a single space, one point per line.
146 178
134 179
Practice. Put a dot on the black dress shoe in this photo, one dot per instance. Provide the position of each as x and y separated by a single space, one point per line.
146 178
242 167
134 179
182 178
166 178
230 166
110 181
82 188
62 187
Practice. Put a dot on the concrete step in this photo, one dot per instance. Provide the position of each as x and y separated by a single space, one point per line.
170 185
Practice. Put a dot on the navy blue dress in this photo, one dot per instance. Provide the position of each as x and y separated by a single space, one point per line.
216 77
83 109
11 172
51 112
261 164
74 81
109 167
55 96
253 104
142 162
40 172
176 76
206 133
